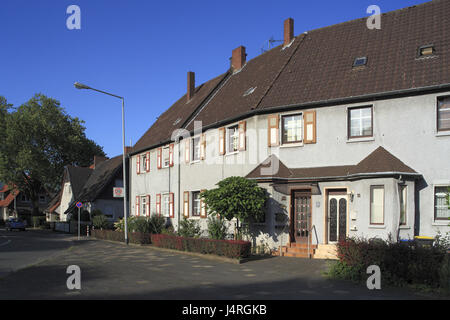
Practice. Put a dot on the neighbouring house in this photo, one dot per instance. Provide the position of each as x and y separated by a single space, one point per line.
52 212
92 186
346 127
16 204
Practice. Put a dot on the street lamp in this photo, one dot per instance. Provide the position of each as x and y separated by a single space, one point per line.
83 86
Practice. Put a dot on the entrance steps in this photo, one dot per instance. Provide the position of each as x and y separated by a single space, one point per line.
300 250
326 251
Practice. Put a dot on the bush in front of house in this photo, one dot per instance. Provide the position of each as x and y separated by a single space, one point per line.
217 228
189 229
108 235
153 224
227 248
401 263
100 222
133 237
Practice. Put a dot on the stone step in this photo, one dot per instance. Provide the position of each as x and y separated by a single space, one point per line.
302 245
296 255
299 250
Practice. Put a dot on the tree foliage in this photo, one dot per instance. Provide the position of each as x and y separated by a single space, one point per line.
236 197
38 139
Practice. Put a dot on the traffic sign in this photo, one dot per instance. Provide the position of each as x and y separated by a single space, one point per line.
118 192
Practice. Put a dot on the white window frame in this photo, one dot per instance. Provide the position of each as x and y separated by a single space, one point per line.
235 136
372 187
349 122
196 149
165 205
143 163
440 131
193 205
444 221
163 159
403 198
281 129
143 206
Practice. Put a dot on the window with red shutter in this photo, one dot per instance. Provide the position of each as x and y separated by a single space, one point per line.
171 205
186 204
242 135
203 213
187 150
137 206
158 204
138 164
273 131
159 158
147 162
171 155
221 141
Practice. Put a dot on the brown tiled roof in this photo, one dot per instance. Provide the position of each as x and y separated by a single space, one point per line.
177 115
259 73
78 177
317 68
54 203
322 67
100 177
10 197
379 161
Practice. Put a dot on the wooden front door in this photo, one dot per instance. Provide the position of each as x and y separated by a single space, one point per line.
301 219
337 217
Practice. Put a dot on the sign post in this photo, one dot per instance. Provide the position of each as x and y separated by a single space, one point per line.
79 205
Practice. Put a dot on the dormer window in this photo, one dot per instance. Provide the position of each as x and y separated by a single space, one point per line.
427 50
359 62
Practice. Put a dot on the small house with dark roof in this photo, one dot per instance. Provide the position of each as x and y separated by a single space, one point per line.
347 128
93 186
16 204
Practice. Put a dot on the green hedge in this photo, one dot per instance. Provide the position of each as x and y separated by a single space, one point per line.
133 237
401 263
227 248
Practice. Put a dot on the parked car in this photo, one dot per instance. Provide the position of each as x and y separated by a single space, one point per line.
14 223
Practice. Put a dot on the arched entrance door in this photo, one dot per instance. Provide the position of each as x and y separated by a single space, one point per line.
337 215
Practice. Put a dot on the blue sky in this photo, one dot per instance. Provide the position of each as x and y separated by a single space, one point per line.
142 50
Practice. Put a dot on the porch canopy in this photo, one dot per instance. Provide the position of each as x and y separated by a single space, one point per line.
379 163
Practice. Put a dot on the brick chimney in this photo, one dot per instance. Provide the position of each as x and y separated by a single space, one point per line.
98 160
190 85
128 150
288 31
238 58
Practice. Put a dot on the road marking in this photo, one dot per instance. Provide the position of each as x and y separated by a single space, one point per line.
5 243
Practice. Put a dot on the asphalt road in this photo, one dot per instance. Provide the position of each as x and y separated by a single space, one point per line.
20 249
115 271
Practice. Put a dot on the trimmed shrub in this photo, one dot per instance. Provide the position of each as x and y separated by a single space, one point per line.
401 263
100 222
227 248
134 237
157 223
217 228
189 229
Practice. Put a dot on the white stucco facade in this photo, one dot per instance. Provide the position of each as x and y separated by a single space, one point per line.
404 126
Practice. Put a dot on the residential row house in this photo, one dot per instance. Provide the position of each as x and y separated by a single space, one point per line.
93 187
346 127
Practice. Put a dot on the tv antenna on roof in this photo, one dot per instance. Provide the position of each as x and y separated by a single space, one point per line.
270 44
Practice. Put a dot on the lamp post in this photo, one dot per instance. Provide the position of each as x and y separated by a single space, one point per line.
83 86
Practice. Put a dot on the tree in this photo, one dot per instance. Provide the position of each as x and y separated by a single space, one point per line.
236 197
38 139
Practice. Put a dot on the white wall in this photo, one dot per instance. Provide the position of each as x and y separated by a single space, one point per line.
406 127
